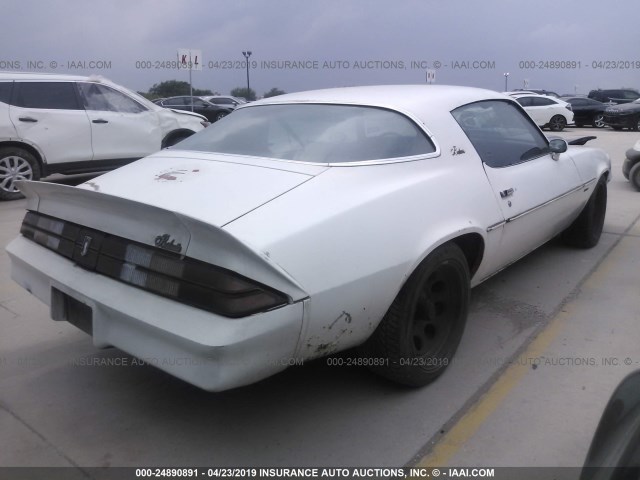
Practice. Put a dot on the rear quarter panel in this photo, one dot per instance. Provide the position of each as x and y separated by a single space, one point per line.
353 235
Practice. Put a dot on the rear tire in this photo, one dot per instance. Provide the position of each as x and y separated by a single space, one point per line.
420 332
557 123
586 230
16 164
634 176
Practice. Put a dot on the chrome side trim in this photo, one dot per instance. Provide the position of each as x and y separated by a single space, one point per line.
584 187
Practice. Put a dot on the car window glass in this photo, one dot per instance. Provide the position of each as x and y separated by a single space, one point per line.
314 133
49 95
578 102
628 94
175 102
198 103
501 133
542 102
525 101
5 91
103 98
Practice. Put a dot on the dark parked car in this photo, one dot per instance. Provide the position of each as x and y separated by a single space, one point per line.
623 116
587 111
209 110
617 95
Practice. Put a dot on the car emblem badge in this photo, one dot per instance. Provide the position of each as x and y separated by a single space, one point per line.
165 241
86 242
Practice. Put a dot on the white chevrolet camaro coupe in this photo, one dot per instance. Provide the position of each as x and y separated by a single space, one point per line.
307 224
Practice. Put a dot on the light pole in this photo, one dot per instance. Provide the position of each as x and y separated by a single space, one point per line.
506 81
247 54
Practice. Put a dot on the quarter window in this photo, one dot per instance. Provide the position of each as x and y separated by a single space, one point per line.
501 133
46 95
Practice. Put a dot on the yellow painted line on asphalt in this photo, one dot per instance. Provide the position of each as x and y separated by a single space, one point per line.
467 426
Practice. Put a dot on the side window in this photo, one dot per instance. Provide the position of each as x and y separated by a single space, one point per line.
5 91
105 99
525 101
501 133
579 102
542 102
175 102
49 95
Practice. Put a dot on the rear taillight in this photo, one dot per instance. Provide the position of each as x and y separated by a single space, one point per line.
170 275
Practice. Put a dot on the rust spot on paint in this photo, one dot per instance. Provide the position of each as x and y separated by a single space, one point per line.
170 175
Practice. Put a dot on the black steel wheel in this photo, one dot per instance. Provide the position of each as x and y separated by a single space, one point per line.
420 332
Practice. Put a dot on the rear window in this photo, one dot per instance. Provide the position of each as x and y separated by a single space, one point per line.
313 133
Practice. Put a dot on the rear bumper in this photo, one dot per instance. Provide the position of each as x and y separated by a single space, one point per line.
207 350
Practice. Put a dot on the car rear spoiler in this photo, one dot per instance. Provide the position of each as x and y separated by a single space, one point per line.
575 141
159 228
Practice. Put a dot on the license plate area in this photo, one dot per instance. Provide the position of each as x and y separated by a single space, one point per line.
65 307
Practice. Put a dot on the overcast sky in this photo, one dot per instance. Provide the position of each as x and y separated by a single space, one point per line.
560 45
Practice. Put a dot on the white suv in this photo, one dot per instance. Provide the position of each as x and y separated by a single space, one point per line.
545 110
70 124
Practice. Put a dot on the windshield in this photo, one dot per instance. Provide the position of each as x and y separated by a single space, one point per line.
313 133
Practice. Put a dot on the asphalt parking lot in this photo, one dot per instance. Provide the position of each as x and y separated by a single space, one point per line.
547 341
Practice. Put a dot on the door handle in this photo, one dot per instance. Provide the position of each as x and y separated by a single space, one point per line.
100 120
27 119
506 193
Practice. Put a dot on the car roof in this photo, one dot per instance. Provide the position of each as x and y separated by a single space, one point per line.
409 98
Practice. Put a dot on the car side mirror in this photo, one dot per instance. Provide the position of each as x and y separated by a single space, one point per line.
556 147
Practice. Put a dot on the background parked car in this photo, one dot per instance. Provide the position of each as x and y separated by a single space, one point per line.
224 100
539 91
618 95
546 111
622 116
70 124
212 112
586 111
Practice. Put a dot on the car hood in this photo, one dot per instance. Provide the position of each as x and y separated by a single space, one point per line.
213 188
624 107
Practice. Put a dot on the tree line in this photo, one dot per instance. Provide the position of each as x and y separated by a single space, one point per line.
173 88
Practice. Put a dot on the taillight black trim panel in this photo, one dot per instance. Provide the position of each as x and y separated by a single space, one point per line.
171 275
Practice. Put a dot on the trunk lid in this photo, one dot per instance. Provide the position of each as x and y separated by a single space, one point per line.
213 188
